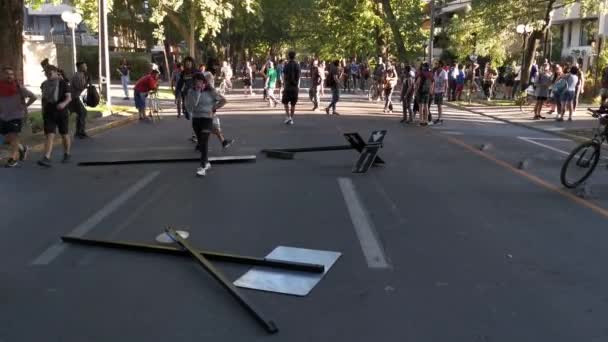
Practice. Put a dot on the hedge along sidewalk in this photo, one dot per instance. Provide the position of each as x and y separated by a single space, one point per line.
33 135
582 120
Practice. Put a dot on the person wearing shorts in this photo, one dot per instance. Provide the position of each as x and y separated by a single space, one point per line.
141 89
291 84
424 84
56 96
542 90
567 97
13 110
440 88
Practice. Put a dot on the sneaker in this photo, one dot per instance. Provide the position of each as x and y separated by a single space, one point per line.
290 122
11 163
327 110
46 162
335 113
125 98
201 172
569 119
207 166
227 143
23 152
287 121
193 138
437 121
66 158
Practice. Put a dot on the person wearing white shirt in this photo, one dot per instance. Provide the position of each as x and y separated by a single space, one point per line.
440 88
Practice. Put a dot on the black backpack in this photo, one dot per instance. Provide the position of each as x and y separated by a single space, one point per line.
92 98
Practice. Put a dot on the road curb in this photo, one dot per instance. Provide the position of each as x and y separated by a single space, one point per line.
91 131
574 137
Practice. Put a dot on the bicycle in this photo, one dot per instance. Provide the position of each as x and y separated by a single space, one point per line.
154 109
374 91
223 88
584 158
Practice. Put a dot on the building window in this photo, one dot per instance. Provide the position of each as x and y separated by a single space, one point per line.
569 41
588 30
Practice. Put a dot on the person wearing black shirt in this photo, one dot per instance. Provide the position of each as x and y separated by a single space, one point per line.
291 84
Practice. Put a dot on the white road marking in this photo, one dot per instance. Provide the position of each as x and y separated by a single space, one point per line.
371 246
452 132
55 250
547 139
543 145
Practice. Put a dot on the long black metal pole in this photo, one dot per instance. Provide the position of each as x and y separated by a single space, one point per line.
238 259
313 149
269 325
212 160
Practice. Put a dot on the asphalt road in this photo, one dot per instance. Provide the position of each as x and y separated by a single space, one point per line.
474 249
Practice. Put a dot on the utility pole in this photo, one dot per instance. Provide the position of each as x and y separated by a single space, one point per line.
432 34
104 54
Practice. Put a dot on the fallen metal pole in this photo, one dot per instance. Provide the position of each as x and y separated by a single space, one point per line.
238 259
212 160
269 325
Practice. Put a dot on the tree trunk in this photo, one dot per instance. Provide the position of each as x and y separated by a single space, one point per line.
529 55
11 39
392 22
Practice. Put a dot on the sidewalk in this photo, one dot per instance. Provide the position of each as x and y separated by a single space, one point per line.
580 128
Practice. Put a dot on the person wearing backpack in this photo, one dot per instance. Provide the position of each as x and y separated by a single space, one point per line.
424 85
407 95
79 83
291 87
56 96
13 112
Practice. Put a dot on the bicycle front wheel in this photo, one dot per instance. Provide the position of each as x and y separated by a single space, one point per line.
580 164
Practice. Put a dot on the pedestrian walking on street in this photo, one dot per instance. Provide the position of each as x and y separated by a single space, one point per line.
333 82
390 81
13 114
78 84
271 82
248 79
407 95
202 102
175 77
322 73
440 88
124 70
56 97
315 83
580 86
291 84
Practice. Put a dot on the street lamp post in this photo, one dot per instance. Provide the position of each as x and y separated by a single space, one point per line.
525 31
72 19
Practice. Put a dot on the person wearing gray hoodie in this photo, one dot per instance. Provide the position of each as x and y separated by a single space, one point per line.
202 102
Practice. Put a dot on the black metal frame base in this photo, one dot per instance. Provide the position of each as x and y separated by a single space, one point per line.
212 160
203 257
368 150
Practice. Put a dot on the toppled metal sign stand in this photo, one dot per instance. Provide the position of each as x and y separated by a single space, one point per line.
368 150
212 160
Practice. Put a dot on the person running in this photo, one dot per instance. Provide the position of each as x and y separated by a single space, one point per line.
248 79
186 82
291 79
141 89
271 83
390 81
407 95
333 82
424 86
175 77
56 96
217 128
13 113
542 91
316 80
440 88
202 102
567 97
226 74
78 84
124 70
